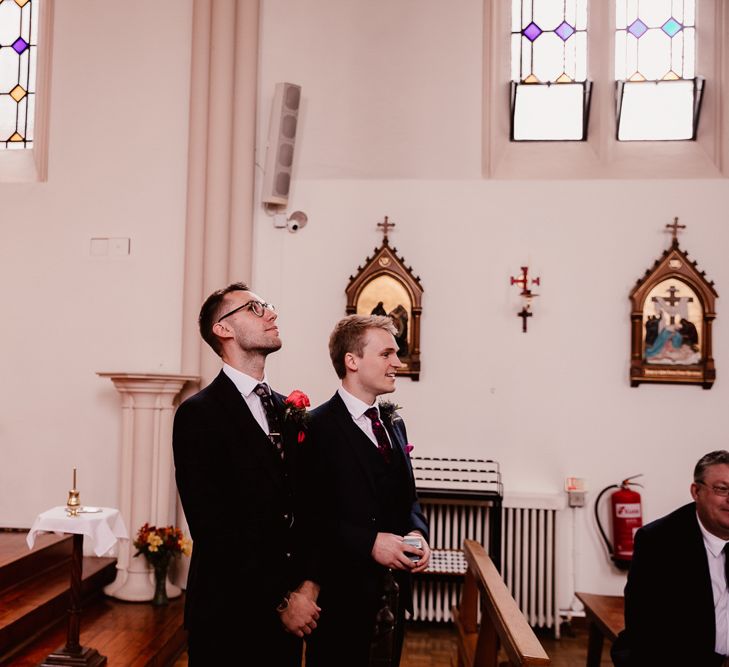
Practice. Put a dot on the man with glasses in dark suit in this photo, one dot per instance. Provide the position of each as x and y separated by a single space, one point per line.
676 597
235 467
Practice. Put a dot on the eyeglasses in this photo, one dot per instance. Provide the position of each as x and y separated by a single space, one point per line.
722 491
257 308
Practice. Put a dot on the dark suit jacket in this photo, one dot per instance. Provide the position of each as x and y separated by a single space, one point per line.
345 510
237 497
669 605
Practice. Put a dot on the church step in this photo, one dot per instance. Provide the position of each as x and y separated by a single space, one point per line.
34 603
18 563
128 634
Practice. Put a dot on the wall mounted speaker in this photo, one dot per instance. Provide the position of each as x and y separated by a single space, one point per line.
280 144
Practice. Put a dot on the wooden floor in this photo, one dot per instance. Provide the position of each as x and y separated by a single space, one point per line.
433 645
130 634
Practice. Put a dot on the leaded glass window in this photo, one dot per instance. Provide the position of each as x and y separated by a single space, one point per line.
18 44
659 94
550 91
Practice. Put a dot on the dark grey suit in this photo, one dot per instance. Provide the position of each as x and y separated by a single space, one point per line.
238 499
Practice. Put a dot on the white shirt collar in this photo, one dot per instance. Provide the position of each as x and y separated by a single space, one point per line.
245 384
355 406
713 543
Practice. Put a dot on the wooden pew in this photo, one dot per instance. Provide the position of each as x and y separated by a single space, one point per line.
502 623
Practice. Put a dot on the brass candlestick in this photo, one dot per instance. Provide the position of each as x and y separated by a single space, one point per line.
73 504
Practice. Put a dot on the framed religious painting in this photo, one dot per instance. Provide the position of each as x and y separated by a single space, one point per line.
386 286
672 312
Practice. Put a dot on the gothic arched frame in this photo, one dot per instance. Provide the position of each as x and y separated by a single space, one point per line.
674 263
385 263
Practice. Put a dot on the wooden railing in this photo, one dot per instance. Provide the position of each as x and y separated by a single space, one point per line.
502 623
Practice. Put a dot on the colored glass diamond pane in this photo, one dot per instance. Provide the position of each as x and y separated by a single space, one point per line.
637 28
671 27
20 45
565 31
532 31
18 93
21 3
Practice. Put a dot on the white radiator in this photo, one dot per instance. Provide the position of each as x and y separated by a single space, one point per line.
528 548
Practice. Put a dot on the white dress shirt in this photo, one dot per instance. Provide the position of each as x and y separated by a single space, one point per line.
356 409
714 552
245 384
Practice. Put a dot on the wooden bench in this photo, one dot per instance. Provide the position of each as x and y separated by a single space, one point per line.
606 614
502 623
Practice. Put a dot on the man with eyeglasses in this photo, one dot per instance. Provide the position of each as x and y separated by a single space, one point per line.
676 597
235 468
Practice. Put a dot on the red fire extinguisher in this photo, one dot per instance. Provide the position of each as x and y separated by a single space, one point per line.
626 516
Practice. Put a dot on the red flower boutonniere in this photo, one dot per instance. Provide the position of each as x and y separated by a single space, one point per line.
296 403
409 448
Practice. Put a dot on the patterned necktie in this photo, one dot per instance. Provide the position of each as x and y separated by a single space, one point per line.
274 429
383 442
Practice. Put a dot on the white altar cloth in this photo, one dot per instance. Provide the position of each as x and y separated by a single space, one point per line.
103 528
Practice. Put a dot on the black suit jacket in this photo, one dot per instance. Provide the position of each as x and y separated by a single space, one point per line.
237 497
669 604
345 512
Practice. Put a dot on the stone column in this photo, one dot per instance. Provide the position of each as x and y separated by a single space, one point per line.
146 488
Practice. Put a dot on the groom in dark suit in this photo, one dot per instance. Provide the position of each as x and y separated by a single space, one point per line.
363 500
234 465
676 598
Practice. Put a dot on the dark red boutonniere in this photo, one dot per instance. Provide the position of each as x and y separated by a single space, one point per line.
296 403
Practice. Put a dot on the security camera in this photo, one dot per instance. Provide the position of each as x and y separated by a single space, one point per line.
296 221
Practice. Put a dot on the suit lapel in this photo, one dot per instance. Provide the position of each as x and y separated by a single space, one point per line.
244 427
354 438
399 442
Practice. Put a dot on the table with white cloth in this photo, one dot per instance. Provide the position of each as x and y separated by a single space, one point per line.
103 527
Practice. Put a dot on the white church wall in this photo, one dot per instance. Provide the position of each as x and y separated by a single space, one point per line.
117 169
551 403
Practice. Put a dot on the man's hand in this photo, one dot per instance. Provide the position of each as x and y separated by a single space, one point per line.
389 550
300 616
421 564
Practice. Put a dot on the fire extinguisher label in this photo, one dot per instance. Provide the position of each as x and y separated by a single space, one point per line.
627 510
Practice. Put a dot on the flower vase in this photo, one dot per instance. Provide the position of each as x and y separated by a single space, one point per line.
160 583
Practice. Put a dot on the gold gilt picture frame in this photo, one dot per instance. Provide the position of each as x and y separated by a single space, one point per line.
672 312
386 286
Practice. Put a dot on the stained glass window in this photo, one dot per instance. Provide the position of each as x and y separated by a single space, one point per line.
549 69
18 37
655 62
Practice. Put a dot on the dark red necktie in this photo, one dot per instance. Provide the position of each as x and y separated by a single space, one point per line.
383 442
